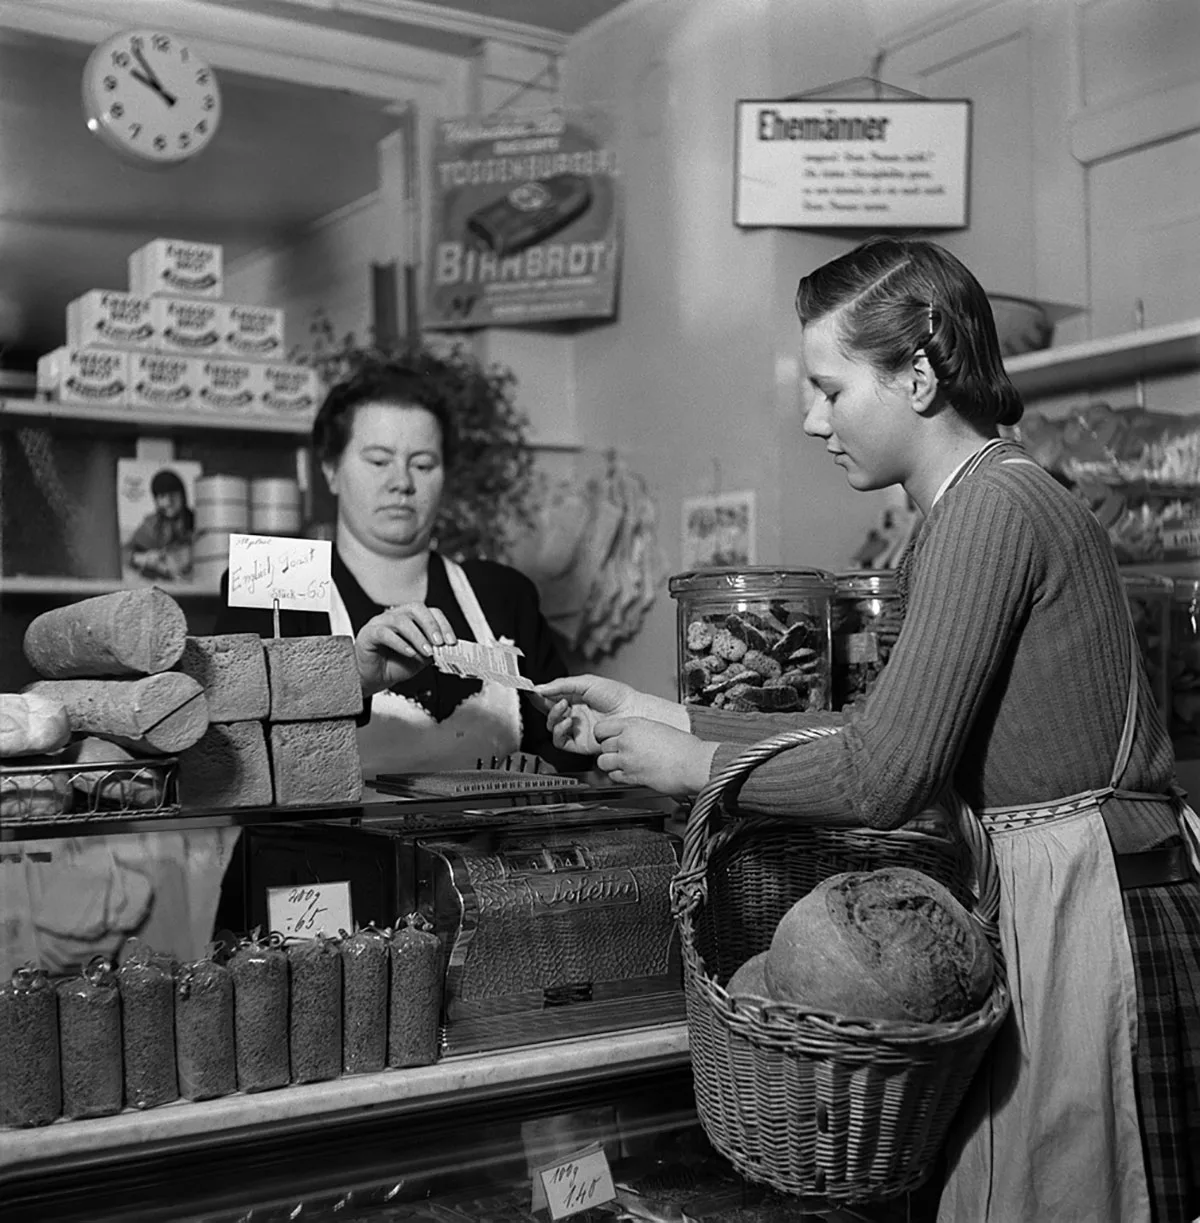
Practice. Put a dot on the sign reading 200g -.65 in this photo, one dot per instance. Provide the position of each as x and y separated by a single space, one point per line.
526 224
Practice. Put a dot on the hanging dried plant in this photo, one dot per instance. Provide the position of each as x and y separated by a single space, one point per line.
490 494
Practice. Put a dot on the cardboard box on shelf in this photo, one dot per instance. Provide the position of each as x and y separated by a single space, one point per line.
253 332
162 380
174 267
290 389
230 386
95 377
110 319
190 327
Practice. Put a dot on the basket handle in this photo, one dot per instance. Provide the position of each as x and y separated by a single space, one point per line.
703 834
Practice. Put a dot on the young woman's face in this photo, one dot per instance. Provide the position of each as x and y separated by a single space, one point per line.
866 420
389 479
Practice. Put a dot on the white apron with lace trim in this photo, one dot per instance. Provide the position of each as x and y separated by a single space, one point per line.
1049 1130
403 737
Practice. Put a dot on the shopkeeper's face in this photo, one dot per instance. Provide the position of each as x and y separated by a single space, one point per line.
865 420
389 479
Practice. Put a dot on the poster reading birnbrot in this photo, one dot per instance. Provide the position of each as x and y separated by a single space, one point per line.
525 221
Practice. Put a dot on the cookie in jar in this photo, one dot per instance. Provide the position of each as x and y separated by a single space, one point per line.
867 614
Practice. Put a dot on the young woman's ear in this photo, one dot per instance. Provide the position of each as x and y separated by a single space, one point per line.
922 383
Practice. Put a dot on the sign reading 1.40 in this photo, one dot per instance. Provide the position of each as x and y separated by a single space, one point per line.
897 164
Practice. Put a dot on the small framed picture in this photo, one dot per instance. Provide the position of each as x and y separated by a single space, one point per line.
719 531
155 519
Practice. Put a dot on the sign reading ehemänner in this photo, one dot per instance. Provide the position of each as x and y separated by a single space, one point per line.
895 164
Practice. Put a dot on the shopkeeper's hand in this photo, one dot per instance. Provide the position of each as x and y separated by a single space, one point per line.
578 702
398 643
641 752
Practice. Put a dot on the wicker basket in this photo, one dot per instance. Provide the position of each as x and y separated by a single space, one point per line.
819 1105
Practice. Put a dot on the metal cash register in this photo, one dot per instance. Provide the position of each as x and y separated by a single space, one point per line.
551 898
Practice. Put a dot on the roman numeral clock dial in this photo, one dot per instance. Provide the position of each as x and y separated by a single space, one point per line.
150 98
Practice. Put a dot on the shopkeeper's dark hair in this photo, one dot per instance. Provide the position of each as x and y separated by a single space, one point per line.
421 380
898 296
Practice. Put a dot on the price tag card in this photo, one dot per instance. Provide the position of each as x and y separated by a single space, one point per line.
306 910
265 570
471 660
571 1185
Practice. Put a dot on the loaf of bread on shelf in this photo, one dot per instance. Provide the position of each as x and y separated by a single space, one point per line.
27 793
161 713
316 762
227 767
139 788
232 670
31 725
312 678
127 632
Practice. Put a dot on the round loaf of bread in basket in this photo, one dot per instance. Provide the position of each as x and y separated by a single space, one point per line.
830 1108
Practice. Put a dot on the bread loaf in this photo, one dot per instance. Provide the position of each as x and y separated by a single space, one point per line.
886 944
315 762
157 713
232 670
312 678
128 632
227 767
113 786
31 725
32 796
750 980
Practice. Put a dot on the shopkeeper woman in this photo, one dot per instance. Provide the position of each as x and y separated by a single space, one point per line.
385 440
1016 678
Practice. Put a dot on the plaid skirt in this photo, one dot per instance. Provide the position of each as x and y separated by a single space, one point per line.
1164 937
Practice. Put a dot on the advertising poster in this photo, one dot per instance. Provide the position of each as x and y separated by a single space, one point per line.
525 221
155 520
719 531
899 164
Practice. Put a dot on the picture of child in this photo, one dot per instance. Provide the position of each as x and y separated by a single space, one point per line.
157 522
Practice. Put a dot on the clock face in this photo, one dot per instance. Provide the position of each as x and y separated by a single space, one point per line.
150 97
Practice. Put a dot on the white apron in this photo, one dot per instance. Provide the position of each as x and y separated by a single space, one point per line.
403 737
1049 1130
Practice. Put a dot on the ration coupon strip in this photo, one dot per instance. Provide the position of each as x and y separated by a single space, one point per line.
471 660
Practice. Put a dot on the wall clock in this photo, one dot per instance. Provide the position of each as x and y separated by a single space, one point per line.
150 98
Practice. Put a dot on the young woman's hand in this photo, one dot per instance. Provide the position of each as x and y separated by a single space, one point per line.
641 752
578 702
398 643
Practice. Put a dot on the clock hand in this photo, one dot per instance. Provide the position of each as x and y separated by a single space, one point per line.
168 98
154 82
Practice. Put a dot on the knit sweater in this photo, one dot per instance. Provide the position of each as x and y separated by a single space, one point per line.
1010 676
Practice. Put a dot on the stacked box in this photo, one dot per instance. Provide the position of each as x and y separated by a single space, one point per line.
291 390
102 318
189 327
226 385
253 332
175 268
161 380
94 377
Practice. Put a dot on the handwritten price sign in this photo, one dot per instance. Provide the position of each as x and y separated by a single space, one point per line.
306 910
570 1186
265 570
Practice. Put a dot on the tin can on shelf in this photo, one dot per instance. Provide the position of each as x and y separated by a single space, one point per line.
1150 597
755 639
1184 667
867 613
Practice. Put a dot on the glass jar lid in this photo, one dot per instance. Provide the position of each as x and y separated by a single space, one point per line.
753 580
859 583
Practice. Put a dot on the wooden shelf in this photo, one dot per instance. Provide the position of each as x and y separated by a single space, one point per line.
20 584
1118 358
171 422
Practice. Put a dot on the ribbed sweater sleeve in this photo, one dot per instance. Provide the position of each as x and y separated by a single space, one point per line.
976 576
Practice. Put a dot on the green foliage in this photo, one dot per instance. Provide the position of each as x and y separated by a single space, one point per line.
489 495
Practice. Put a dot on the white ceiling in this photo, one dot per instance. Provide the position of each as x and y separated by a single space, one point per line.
71 211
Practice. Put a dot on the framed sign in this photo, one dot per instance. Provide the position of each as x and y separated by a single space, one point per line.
853 164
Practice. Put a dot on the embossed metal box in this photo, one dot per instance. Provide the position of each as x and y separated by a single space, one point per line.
552 933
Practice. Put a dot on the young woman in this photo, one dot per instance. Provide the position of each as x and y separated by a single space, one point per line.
1017 678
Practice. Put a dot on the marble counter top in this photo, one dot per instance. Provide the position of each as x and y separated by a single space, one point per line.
396 1091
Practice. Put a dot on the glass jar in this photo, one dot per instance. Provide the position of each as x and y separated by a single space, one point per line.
1184 645
756 639
867 614
1149 596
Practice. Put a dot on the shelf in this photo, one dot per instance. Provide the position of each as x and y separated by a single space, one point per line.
81 588
127 419
1118 358
390 1093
